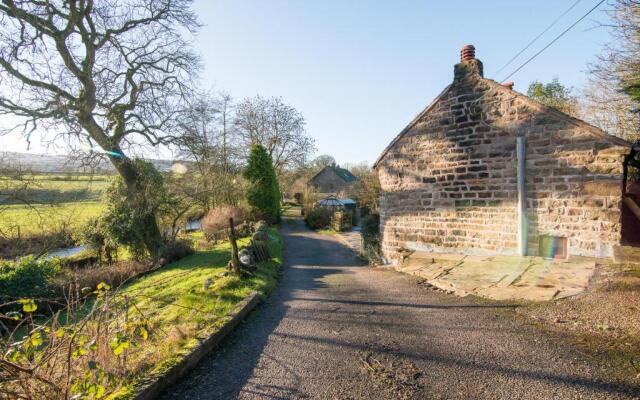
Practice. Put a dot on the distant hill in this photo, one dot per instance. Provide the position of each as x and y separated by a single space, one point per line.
67 164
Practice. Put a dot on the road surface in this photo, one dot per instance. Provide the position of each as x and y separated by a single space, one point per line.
337 329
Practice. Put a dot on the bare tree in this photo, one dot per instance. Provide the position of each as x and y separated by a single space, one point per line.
606 107
227 132
366 190
605 102
276 126
106 72
208 139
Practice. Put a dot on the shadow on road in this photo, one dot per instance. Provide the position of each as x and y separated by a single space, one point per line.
225 372
297 320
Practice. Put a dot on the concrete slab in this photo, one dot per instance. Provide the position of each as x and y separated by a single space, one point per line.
502 277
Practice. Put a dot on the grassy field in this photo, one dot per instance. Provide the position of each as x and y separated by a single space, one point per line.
19 220
60 188
56 203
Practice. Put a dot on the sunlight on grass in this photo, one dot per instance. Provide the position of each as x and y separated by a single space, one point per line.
182 309
41 218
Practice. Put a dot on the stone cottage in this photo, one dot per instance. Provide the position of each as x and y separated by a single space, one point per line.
486 170
332 179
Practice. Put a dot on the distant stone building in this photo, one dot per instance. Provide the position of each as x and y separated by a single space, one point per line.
332 179
486 170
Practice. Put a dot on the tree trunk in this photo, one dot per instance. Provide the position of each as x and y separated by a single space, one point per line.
152 237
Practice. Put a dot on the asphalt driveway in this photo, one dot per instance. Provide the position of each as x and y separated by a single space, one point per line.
337 329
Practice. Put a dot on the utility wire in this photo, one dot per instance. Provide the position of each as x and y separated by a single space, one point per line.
535 39
554 40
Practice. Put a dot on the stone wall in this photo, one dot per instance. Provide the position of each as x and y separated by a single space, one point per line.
449 180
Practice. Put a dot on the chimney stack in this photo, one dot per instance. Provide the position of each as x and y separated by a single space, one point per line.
469 66
508 85
467 53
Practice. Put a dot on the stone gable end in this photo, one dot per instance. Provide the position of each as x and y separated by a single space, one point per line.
449 181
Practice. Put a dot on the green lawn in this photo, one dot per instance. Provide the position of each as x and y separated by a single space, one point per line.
181 309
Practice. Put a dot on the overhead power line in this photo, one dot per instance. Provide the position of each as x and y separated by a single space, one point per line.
535 39
554 40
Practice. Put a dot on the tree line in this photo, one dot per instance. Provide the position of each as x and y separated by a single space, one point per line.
610 99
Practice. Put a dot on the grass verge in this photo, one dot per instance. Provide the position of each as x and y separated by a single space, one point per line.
186 300
108 343
328 231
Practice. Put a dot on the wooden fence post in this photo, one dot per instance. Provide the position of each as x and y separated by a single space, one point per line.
235 260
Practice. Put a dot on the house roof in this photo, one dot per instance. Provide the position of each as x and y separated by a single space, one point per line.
342 173
529 101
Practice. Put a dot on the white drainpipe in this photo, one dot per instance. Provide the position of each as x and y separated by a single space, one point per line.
522 197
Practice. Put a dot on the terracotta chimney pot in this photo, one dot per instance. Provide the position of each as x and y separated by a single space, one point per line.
467 53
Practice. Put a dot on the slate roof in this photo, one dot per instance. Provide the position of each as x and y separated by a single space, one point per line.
342 173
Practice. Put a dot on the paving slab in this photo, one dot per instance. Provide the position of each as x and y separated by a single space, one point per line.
502 277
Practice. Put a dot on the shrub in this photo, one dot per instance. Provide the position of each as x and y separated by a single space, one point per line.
94 235
263 193
27 277
217 219
370 229
177 249
370 225
319 218
114 274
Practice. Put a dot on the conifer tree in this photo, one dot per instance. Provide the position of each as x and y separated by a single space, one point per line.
263 193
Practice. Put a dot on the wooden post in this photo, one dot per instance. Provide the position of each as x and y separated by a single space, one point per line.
235 260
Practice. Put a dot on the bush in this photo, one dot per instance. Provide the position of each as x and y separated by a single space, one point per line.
217 219
114 274
263 193
27 278
177 249
370 229
319 218
370 225
94 235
